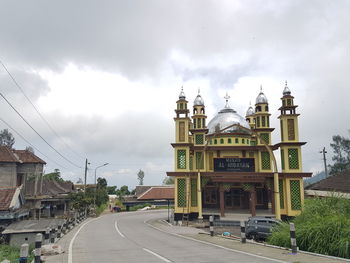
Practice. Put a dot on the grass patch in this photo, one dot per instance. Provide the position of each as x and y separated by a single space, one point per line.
323 227
100 209
12 253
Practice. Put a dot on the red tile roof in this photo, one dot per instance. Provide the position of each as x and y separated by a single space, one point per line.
158 193
28 157
8 155
6 196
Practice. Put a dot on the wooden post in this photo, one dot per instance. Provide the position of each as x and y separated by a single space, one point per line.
222 201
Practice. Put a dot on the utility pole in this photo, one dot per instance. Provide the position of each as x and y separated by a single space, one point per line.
86 163
324 160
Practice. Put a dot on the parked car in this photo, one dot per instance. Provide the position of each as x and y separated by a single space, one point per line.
259 227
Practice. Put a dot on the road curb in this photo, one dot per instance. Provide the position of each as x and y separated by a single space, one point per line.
237 239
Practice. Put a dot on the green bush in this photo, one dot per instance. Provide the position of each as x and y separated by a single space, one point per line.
323 227
101 208
12 253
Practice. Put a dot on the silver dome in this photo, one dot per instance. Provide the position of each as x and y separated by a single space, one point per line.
286 90
225 118
250 111
198 100
261 97
182 94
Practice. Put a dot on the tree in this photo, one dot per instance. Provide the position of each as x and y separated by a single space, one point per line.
341 157
168 180
111 190
6 138
140 176
101 183
54 176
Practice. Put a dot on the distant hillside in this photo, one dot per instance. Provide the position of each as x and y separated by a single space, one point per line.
317 177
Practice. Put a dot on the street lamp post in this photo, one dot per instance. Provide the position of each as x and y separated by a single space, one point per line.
96 185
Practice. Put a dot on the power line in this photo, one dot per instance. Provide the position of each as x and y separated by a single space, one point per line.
23 138
38 132
38 112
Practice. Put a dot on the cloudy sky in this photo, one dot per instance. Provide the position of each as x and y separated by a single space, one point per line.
106 74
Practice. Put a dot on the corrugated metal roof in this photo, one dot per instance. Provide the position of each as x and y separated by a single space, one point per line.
337 183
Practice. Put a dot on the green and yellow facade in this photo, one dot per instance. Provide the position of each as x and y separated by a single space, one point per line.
225 166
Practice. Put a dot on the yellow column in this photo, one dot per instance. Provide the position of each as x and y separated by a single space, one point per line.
199 196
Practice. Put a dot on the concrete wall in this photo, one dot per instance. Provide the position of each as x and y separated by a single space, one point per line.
21 238
8 174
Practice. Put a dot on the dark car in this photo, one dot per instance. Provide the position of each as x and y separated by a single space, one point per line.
259 227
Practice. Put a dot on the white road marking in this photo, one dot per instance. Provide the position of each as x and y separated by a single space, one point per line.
70 253
215 245
155 254
116 228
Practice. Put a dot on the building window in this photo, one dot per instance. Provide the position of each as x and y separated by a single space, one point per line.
191 162
203 121
181 131
194 124
193 192
221 141
181 106
265 161
289 102
243 141
264 137
229 140
248 141
291 130
210 196
280 186
295 194
282 159
199 123
215 141
199 138
181 159
263 122
293 158
257 121
199 161
236 140
266 108
181 192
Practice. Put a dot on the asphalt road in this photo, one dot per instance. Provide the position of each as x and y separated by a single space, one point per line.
126 237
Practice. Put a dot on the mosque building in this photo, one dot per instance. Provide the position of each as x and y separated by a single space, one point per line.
227 165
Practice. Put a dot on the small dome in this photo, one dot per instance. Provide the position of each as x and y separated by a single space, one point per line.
250 111
225 118
182 94
286 90
261 97
198 101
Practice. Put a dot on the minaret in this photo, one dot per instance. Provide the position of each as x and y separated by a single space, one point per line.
250 116
199 128
262 127
291 189
182 125
290 145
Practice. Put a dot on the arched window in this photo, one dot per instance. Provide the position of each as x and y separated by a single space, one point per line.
221 141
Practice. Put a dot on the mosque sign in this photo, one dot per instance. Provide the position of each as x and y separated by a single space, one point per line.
234 165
